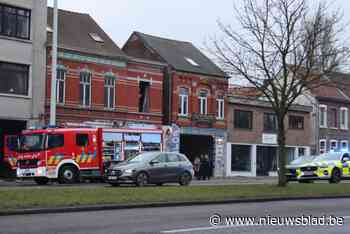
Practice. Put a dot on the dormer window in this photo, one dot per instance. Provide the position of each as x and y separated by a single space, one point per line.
192 62
96 37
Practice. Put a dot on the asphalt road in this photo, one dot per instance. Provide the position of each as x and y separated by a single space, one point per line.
182 220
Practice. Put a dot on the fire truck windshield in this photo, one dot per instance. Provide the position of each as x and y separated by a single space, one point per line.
32 143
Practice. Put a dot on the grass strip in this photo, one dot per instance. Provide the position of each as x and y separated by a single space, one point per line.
44 197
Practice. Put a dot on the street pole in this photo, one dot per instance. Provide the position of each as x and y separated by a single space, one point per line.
54 65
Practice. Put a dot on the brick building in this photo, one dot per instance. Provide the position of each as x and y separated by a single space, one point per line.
194 94
331 103
252 134
96 81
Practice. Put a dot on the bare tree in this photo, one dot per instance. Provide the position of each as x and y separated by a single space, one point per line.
284 47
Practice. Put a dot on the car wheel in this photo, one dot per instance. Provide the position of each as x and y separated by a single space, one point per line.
185 179
68 175
41 181
336 176
141 179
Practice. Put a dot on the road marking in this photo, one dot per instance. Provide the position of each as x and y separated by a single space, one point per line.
197 229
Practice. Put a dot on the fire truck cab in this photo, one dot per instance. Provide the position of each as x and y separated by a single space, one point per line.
63 153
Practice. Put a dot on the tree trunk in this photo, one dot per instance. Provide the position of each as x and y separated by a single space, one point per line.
282 153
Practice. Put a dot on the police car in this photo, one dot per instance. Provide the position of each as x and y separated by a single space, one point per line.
332 166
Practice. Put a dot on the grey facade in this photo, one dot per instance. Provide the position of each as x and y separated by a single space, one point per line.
31 51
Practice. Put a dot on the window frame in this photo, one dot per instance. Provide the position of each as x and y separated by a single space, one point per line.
347 144
28 80
290 124
110 86
323 150
82 134
336 144
182 98
58 85
84 83
57 146
203 102
220 108
264 124
29 17
236 124
344 126
323 125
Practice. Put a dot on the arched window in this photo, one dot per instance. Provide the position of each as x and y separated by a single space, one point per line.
183 102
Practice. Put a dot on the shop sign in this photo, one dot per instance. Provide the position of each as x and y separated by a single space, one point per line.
270 139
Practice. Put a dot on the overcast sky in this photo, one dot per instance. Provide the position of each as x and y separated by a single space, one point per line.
187 20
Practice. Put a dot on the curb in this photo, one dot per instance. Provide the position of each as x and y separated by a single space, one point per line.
154 205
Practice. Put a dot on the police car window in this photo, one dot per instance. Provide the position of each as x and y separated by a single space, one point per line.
82 140
55 141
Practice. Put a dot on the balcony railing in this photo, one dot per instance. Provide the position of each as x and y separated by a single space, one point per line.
203 119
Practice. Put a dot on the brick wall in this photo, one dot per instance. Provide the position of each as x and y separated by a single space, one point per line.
126 92
254 136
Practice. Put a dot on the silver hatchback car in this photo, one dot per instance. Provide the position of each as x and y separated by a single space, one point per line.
152 168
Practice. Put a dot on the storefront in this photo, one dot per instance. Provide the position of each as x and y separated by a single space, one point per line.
258 160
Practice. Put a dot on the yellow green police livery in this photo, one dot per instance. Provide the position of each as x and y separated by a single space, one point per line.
332 166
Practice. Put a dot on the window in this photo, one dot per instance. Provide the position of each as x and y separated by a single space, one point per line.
82 140
55 141
301 152
14 22
85 88
109 92
14 78
161 158
344 118
183 102
220 107
144 102
323 146
333 118
192 62
323 116
96 37
296 122
243 119
203 102
173 158
334 145
240 158
345 145
60 82
270 122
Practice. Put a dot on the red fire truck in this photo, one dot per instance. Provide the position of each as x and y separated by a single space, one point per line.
10 151
67 154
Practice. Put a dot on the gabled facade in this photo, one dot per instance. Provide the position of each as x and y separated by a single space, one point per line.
96 81
331 105
194 95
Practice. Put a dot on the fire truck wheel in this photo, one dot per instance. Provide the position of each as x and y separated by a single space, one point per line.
41 181
68 175
141 179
